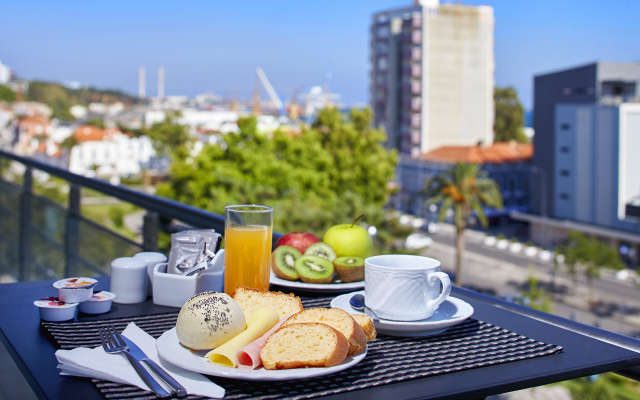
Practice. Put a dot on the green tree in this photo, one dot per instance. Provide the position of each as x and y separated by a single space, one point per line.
328 174
7 94
116 214
534 296
168 136
509 116
96 121
463 188
590 256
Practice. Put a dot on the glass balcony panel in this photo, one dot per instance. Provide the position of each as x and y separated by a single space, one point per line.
10 197
49 219
47 257
99 247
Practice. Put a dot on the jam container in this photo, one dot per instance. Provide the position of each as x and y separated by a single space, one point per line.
99 303
75 290
54 310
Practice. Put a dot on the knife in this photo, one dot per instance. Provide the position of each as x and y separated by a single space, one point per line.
139 355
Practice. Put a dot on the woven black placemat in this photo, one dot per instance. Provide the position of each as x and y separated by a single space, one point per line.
472 344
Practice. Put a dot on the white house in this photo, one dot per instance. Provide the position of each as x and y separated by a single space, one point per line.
108 152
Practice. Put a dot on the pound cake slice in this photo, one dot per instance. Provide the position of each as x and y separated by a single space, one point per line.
304 345
250 299
339 320
367 326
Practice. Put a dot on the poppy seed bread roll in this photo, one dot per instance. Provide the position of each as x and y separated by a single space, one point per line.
208 320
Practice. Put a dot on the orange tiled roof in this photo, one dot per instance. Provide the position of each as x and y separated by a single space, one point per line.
89 133
34 119
499 152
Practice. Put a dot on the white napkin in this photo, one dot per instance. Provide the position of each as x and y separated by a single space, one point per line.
96 363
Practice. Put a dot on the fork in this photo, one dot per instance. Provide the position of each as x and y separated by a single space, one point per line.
111 345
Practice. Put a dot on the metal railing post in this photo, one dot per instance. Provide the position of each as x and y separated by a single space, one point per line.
72 234
150 231
25 226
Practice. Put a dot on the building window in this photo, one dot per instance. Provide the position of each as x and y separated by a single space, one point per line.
511 185
382 18
382 63
383 32
564 172
565 127
564 196
382 48
525 186
567 91
564 149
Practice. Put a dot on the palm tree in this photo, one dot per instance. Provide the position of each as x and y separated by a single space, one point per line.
462 188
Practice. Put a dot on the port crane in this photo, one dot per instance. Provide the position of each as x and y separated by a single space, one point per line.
270 91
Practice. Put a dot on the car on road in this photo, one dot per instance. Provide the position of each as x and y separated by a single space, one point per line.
417 241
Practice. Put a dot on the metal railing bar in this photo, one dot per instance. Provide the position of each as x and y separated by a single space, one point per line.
13 244
43 269
109 231
9 213
48 238
49 203
91 265
174 209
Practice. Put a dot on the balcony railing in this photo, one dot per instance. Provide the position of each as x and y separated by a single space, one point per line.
41 239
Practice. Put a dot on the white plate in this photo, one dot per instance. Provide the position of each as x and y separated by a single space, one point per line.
170 349
451 312
317 287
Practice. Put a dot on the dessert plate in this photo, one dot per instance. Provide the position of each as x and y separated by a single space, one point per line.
335 287
451 312
170 349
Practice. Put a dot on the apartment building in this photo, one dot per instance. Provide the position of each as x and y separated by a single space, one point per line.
432 75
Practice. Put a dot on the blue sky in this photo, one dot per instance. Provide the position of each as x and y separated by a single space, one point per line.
216 45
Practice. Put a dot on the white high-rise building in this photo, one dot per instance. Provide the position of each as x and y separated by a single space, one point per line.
432 75
5 74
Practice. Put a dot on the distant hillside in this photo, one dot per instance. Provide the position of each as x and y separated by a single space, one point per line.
60 98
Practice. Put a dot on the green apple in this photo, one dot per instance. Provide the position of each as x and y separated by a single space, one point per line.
349 240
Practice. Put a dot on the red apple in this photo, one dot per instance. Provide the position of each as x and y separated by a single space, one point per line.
299 240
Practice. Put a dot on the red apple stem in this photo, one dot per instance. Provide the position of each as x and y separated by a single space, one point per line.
354 222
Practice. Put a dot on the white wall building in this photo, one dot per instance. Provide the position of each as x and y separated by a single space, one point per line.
215 120
5 74
432 75
108 152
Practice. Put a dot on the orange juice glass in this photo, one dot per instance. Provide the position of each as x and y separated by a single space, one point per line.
247 247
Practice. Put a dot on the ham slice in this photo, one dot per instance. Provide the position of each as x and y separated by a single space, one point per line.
249 355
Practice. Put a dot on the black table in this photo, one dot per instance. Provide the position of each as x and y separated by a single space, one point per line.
33 350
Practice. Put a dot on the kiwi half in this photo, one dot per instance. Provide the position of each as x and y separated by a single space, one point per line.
323 250
283 262
314 269
349 269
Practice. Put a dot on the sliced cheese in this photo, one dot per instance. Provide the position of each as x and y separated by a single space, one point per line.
259 322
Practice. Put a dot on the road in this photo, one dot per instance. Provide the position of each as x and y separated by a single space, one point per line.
504 272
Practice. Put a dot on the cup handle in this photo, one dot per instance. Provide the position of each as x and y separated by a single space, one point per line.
446 288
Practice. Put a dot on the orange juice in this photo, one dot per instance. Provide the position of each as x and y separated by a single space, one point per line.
247 257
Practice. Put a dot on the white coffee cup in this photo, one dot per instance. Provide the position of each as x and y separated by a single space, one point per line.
403 287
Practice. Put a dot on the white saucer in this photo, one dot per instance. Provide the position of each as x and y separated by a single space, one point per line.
335 287
451 312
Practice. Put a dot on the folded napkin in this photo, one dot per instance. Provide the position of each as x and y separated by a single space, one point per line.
96 363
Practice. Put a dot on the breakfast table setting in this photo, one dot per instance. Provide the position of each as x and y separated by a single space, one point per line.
311 318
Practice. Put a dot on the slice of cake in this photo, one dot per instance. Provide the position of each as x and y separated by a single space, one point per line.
250 299
339 320
304 345
367 326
